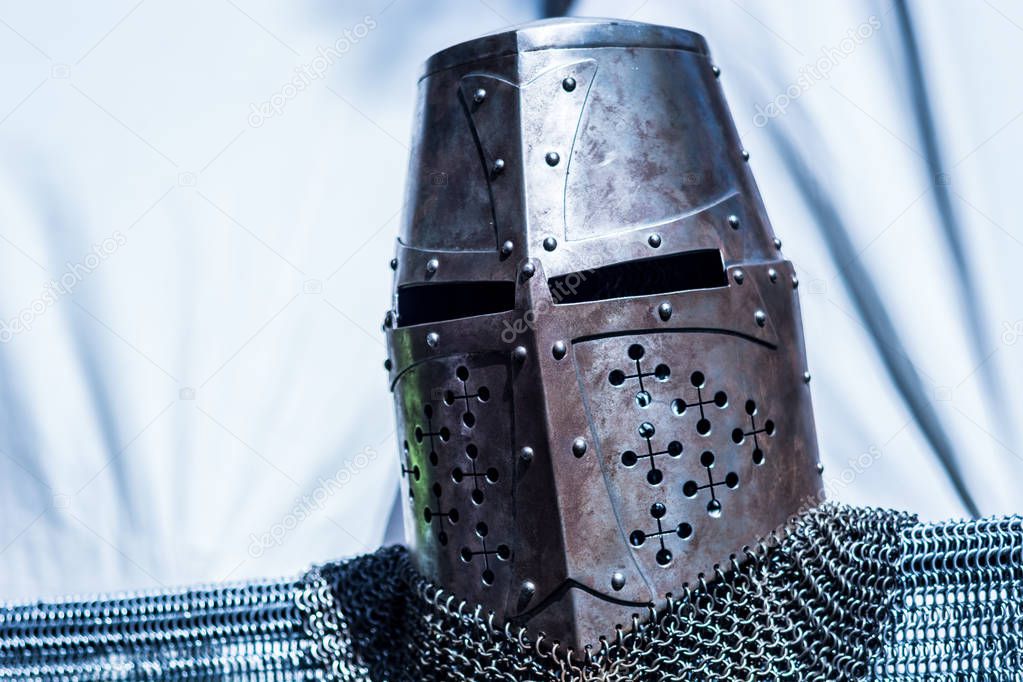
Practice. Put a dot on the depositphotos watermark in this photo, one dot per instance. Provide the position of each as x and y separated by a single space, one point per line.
310 72
309 504
62 286
1012 332
813 73
565 286
854 467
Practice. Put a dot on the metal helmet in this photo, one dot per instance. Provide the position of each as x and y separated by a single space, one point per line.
594 345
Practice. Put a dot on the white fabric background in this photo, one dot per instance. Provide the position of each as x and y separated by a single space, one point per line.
217 376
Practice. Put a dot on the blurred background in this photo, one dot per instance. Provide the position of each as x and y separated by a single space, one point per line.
198 201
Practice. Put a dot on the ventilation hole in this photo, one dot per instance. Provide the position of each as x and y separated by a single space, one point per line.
503 552
629 458
674 448
449 397
751 408
469 419
732 480
658 510
707 459
415 472
664 557
643 398
697 379
453 516
678 407
457 475
434 459
428 515
477 497
714 508
646 430
737 436
636 351
684 530
442 538
462 373
437 490
703 427
492 475
482 530
445 433
483 393
758 456
419 434
637 538
654 477
472 451
428 411
690 488
662 372
466 555
616 377
488 577
769 427
721 399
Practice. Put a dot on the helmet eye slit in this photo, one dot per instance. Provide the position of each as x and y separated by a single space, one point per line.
425 303
702 269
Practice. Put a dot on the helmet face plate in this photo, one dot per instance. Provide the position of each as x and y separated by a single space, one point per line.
595 350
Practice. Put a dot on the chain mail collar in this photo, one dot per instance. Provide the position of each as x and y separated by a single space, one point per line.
839 594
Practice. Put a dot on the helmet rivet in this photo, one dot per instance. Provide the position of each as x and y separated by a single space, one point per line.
777 243
806 377
664 310
559 350
716 71
760 317
520 353
733 221
795 282
745 155
432 265
507 247
498 166
552 158
654 240
772 274
579 447
568 84
820 467
617 581
388 319
739 276
550 243
394 263
528 270
387 364
479 95
432 339
526 454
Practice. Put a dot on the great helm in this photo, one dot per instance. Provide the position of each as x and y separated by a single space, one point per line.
594 345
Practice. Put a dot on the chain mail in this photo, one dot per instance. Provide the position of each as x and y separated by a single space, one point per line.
839 594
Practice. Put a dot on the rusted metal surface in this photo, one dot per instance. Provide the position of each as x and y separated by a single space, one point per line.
565 462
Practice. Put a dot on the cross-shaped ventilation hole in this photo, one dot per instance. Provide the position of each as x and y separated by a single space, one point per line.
630 457
658 511
481 394
618 377
738 435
